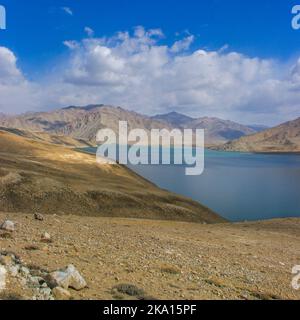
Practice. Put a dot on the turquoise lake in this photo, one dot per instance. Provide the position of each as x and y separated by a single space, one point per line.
238 186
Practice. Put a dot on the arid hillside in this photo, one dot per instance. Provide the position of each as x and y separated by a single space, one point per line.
39 176
40 136
217 131
284 138
84 122
80 122
147 259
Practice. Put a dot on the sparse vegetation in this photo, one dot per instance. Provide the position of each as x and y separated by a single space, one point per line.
170 269
129 289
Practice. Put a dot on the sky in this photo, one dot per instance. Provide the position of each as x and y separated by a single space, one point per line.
233 59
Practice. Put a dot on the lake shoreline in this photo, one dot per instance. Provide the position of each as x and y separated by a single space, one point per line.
263 186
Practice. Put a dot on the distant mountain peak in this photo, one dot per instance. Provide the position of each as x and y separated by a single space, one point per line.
174 118
87 108
258 127
173 114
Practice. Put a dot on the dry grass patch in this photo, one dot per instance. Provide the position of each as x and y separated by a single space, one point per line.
170 269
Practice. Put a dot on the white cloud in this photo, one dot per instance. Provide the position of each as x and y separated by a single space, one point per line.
9 73
182 45
139 72
71 44
67 10
16 92
89 31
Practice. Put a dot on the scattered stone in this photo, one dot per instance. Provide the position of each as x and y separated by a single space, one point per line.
61 294
67 278
44 294
25 271
46 238
37 282
39 217
6 235
8 226
23 282
6 260
14 270
3 273
32 247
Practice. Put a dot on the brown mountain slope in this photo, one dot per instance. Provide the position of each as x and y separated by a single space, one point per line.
219 131
52 179
84 122
62 140
284 138
80 122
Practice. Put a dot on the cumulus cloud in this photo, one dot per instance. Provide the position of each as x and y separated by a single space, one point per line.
9 73
139 72
16 92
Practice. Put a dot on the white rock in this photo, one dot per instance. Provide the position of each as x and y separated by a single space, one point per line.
35 281
14 270
3 273
68 278
8 226
44 294
25 271
46 238
23 282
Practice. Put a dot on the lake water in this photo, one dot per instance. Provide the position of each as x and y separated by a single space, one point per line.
237 186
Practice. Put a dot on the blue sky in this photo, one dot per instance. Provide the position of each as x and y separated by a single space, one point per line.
37 32
37 29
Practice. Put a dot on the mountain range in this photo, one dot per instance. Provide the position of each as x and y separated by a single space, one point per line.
217 131
83 123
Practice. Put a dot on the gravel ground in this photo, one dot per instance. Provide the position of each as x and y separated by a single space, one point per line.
144 259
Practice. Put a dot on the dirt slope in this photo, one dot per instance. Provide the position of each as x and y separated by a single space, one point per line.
44 177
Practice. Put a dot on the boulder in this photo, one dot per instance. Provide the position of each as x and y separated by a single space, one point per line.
8 226
67 278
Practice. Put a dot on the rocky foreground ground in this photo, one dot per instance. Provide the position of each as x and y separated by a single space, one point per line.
142 259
